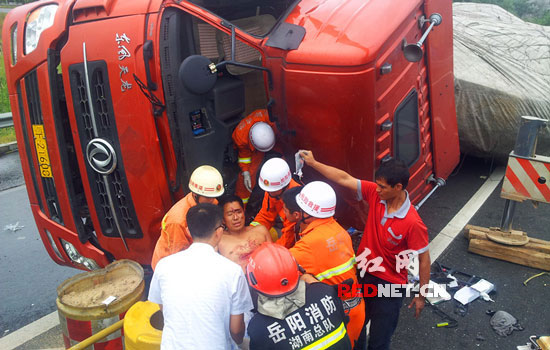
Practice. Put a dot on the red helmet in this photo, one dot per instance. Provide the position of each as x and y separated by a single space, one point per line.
272 270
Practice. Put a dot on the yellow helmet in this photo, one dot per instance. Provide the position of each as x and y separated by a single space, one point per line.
206 181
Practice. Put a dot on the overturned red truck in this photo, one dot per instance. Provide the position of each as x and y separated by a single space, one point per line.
115 102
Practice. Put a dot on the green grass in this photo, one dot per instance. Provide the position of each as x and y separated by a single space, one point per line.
4 99
7 135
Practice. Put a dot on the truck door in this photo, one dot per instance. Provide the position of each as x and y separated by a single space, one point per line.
403 116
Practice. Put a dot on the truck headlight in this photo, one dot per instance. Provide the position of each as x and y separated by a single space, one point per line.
13 45
77 258
38 20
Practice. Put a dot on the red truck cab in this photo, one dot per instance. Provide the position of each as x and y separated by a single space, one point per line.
115 103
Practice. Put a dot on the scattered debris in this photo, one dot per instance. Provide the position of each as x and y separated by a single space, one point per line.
13 227
504 324
461 309
448 321
536 343
438 292
535 276
468 294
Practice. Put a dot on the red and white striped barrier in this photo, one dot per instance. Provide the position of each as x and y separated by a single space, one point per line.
75 331
527 178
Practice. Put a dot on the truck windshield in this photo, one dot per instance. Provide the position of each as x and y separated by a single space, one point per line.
264 14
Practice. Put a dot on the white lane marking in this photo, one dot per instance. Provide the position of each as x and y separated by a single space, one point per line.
30 331
455 226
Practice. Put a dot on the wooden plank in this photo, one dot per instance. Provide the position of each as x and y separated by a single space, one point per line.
467 228
516 255
535 246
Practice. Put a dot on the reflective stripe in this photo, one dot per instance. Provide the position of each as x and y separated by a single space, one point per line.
163 223
245 200
254 223
338 270
328 340
245 160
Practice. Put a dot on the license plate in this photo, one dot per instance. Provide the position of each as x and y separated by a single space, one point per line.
42 150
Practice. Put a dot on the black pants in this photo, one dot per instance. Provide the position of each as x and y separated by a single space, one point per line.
383 313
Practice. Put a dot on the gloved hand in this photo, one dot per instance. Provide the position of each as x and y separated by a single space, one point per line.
247 181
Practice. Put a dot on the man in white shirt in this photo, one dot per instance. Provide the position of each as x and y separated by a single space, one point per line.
203 295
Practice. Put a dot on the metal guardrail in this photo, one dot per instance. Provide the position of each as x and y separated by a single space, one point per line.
5 120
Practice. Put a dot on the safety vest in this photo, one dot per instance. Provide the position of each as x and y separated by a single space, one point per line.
173 234
325 250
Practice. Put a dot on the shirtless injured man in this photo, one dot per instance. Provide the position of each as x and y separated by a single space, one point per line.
239 241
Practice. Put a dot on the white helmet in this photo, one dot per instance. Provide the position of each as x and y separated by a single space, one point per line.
206 181
274 175
317 199
262 136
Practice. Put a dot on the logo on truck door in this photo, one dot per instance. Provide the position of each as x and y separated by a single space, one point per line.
101 156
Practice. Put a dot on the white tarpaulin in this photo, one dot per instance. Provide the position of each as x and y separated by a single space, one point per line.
502 71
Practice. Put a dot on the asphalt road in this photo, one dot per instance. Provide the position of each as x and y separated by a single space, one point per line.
11 174
28 276
529 304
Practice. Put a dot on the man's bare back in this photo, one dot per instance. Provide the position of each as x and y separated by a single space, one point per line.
239 241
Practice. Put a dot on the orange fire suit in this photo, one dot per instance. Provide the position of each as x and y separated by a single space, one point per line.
325 250
173 235
250 159
271 207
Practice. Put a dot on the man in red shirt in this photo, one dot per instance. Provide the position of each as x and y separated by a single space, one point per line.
393 228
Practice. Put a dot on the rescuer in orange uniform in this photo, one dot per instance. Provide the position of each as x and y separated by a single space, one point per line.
206 184
275 178
252 137
325 249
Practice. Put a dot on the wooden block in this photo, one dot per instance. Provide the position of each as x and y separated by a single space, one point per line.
479 229
535 246
518 255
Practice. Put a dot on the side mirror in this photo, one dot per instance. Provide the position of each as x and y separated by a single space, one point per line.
198 74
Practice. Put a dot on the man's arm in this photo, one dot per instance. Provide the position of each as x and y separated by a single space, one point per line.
265 217
334 174
236 327
288 237
424 274
173 238
263 232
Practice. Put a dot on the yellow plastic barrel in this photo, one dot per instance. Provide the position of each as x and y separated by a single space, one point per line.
143 325
92 301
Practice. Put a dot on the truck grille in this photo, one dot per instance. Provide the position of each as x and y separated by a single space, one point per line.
67 151
35 114
96 126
